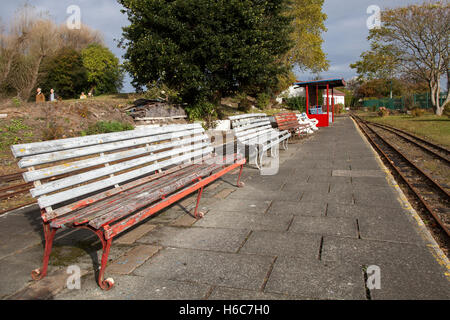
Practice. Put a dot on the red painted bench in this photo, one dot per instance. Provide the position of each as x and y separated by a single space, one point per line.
110 182
288 121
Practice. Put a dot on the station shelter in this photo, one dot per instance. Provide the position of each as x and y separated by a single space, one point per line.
323 113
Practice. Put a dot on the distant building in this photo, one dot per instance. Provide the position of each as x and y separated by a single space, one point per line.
339 97
291 92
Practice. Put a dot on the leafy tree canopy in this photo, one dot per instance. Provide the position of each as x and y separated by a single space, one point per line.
206 48
308 25
65 73
104 73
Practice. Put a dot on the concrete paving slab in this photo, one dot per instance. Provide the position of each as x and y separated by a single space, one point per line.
138 288
255 194
283 244
132 259
185 220
305 186
400 282
224 193
316 279
368 252
24 228
343 227
246 221
224 240
251 206
221 269
134 234
383 198
47 288
357 173
364 182
395 229
230 294
16 270
357 211
314 209
342 197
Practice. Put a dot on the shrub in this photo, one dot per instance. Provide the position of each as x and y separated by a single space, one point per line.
296 103
163 92
204 111
53 131
245 105
339 108
16 102
417 112
447 109
107 127
262 100
382 112
82 110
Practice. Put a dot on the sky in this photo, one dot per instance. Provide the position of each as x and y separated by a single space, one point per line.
344 41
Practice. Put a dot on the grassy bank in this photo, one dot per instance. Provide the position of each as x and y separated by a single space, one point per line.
435 129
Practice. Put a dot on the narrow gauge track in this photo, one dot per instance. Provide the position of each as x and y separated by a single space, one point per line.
12 185
439 152
434 198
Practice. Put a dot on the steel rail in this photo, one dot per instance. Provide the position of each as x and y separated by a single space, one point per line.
411 140
399 171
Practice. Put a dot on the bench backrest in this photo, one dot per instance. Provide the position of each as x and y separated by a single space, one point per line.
287 121
66 169
248 126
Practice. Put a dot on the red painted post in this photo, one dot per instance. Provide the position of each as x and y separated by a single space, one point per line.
317 95
307 100
332 101
328 103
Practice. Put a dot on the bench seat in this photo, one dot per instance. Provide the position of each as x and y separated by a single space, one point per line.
289 121
110 182
255 131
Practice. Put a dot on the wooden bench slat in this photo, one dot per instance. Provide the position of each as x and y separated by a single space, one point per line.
49 200
75 179
136 203
99 197
86 163
252 125
106 147
22 150
249 115
129 221
121 199
244 134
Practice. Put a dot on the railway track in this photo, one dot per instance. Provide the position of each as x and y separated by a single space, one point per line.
12 185
433 195
439 152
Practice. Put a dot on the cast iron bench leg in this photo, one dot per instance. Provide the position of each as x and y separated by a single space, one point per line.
106 246
49 234
198 215
239 183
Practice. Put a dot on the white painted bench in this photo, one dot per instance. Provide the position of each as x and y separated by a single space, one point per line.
110 182
255 130
312 123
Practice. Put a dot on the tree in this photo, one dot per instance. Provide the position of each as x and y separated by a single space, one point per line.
413 42
206 48
65 74
308 25
30 42
104 73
